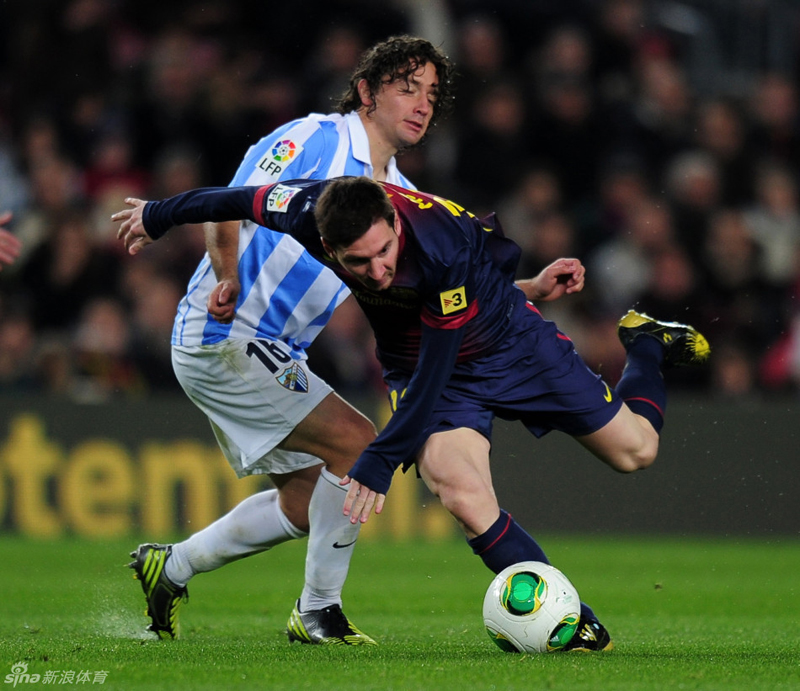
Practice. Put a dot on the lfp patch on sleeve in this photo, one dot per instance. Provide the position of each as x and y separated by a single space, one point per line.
278 157
279 198
453 300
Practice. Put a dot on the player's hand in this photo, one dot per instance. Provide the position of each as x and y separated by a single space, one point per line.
222 300
562 277
10 244
131 230
360 500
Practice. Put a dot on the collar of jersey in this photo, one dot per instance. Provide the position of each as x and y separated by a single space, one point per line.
360 146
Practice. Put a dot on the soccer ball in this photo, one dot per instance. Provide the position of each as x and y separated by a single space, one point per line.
531 607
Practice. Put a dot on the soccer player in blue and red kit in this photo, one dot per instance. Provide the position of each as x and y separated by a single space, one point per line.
459 344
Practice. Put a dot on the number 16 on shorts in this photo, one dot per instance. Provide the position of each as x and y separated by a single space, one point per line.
274 358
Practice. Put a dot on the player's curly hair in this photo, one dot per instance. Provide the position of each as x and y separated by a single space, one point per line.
348 207
397 58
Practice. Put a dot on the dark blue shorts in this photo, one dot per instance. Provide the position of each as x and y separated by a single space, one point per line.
535 376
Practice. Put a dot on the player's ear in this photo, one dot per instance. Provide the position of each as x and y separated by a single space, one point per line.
364 93
328 249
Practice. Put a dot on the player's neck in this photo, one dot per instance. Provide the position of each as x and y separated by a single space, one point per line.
380 155
380 150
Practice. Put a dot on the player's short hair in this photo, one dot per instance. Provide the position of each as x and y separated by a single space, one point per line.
348 208
396 58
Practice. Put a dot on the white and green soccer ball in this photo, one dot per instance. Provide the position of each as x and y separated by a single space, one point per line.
531 607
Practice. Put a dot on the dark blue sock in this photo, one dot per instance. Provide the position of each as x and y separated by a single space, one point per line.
642 384
506 543
587 612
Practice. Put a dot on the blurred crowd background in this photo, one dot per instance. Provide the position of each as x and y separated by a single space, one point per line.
659 141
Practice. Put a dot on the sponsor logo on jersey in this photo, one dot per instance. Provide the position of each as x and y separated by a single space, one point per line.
279 157
607 395
294 378
404 298
279 198
453 300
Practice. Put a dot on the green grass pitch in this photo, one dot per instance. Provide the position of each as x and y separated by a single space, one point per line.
684 614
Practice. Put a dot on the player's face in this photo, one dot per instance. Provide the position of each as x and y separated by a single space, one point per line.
403 109
372 259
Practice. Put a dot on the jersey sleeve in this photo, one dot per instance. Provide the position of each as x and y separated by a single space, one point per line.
402 437
294 151
288 208
447 260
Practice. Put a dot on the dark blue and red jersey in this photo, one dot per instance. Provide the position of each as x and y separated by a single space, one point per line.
451 306
453 270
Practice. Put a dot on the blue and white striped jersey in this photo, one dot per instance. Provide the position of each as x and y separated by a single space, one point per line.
286 294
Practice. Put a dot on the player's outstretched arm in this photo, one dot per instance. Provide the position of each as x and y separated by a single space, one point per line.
401 438
562 277
131 230
10 244
289 212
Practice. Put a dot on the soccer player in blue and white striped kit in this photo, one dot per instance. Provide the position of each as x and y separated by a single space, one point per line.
239 345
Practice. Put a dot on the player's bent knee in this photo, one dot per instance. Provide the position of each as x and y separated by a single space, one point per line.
356 428
633 460
463 501
354 439
624 447
364 433
627 464
474 512
296 511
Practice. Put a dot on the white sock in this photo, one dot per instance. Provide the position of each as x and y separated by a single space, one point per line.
331 541
253 526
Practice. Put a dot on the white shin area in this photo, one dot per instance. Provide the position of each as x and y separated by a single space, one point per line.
331 542
252 526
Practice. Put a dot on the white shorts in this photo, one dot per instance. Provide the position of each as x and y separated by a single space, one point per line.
254 394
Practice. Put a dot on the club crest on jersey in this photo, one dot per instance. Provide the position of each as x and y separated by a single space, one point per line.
279 157
294 378
279 198
453 300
